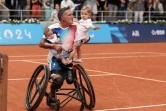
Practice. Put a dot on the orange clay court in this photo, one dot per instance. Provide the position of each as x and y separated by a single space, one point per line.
125 77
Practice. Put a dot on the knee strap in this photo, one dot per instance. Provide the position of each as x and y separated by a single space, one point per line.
69 78
57 83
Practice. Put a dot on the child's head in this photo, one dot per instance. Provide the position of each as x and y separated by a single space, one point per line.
48 33
57 7
85 13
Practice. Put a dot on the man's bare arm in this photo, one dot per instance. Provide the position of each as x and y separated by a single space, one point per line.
45 46
57 47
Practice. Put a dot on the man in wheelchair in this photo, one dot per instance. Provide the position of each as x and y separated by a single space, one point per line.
66 30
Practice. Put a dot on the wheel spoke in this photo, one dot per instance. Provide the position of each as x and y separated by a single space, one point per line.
85 90
33 97
42 80
38 88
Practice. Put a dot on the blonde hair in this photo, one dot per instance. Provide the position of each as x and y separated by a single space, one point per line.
86 8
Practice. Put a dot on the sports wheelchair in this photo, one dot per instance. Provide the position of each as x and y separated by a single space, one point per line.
82 89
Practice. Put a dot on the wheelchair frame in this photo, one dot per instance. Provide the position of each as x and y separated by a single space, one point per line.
82 92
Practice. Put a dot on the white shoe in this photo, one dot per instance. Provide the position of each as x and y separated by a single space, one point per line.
77 60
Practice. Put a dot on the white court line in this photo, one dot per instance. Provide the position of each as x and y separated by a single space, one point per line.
27 56
136 107
34 62
94 54
19 79
106 74
28 60
109 74
115 74
115 57
102 75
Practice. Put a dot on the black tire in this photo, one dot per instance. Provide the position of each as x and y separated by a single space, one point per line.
36 88
82 80
90 83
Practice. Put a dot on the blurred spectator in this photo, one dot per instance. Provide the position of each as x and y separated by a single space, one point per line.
28 9
54 14
148 10
139 9
164 4
36 8
78 5
122 8
158 8
101 4
113 8
92 4
146 3
21 9
101 9
48 8
130 10
57 2
67 3
11 4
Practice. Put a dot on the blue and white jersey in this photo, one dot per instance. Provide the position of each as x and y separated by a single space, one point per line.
67 36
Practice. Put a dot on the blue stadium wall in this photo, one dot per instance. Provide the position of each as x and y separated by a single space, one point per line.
23 34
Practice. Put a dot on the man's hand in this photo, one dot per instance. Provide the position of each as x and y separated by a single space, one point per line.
57 47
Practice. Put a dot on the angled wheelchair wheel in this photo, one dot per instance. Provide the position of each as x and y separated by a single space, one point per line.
83 83
37 87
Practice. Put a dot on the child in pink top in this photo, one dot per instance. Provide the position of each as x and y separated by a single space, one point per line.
82 36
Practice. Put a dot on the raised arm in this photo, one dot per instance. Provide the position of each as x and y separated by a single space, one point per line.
95 27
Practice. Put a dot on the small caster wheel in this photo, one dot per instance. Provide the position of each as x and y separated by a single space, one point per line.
57 108
82 107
